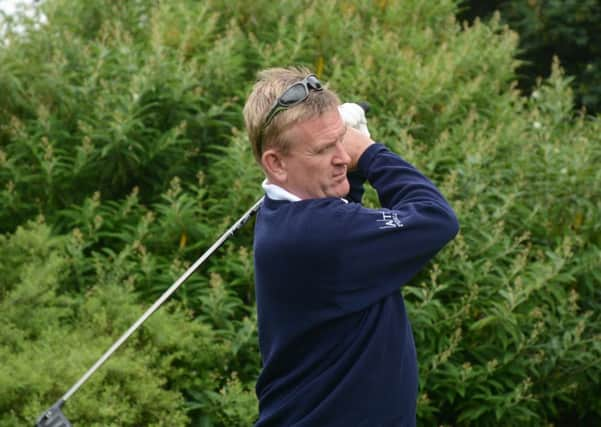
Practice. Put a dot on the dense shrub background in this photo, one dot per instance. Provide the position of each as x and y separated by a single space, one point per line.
568 29
123 157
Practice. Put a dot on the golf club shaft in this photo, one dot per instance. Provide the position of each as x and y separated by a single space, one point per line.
162 298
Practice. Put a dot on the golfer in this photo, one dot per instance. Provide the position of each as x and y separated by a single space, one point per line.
336 344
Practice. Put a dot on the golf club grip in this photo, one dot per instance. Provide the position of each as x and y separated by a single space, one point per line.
365 106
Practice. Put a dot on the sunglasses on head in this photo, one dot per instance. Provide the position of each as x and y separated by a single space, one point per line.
293 95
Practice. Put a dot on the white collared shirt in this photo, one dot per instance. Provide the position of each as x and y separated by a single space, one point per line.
275 192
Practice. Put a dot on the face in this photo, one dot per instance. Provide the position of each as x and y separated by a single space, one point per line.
316 163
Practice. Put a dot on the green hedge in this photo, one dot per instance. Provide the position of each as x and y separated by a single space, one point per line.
123 157
567 29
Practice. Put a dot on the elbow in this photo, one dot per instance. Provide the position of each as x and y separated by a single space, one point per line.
448 224
451 224
454 226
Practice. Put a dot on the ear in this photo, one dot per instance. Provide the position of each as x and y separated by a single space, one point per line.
275 166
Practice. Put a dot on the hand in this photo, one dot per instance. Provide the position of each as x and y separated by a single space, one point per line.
355 143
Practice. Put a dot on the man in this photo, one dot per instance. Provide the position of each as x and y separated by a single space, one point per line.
336 343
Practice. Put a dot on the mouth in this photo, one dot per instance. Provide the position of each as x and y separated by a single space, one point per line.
339 176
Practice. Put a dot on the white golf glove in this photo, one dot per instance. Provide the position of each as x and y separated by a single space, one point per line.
354 116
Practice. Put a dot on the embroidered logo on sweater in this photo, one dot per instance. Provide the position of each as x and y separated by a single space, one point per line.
389 220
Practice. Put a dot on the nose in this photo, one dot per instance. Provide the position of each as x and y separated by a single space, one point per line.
341 157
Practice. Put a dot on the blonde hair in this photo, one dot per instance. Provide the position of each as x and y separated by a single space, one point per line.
271 83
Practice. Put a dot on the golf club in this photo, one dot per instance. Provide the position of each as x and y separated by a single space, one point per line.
53 416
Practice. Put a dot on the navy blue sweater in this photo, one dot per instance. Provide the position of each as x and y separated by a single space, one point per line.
334 336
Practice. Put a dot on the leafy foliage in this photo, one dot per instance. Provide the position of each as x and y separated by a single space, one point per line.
566 29
122 158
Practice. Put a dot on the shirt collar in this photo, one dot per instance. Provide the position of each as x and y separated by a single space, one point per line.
275 192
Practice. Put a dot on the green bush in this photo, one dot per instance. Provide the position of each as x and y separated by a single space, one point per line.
123 157
51 338
567 29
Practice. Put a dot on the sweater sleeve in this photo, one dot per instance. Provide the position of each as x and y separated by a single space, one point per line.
382 249
356 181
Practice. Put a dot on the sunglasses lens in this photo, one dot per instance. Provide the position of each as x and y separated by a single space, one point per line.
294 94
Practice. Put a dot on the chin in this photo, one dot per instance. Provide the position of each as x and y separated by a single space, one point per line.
342 190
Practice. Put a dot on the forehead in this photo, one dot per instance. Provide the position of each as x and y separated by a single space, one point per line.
324 128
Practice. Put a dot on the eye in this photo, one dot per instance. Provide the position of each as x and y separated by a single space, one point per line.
325 148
